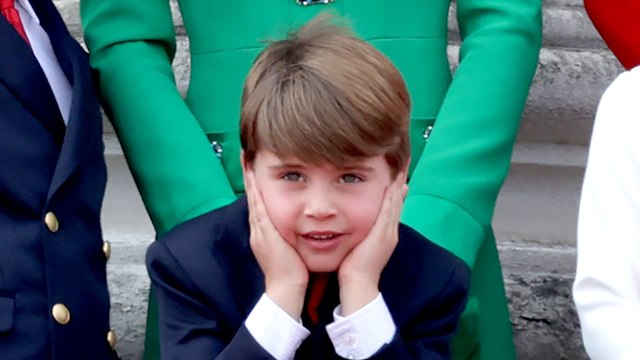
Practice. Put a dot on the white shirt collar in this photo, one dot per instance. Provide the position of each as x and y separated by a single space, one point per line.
29 10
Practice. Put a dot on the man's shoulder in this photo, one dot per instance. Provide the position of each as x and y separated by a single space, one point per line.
219 233
416 251
420 270
201 228
209 258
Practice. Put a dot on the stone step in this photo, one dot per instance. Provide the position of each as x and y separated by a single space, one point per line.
564 95
127 227
565 24
538 203
538 282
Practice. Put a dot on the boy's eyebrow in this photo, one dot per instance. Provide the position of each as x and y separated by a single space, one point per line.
296 166
286 166
352 167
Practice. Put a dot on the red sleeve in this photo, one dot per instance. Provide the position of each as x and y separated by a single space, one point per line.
617 22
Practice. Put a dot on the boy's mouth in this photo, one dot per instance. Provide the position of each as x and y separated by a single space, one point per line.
320 235
322 240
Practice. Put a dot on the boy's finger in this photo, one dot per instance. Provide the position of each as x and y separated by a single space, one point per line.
400 180
400 192
251 198
258 205
383 214
261 216
399 188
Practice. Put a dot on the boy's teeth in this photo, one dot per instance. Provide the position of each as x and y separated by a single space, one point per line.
321 237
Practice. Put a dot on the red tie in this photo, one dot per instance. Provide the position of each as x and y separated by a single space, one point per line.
10 12
318 287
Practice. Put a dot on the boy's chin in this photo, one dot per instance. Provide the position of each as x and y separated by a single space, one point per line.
321 267
322 262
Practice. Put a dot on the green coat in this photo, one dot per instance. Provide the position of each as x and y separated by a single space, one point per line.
455 176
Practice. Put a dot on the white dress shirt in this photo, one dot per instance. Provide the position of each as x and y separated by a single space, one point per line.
607 285
43 51
357 336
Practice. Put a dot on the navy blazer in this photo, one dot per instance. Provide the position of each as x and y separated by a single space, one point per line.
49 171
207 282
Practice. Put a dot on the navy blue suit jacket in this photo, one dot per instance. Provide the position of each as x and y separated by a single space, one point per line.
45 167
207 282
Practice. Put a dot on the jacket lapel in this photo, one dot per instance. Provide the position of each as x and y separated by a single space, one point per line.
21 73
84 128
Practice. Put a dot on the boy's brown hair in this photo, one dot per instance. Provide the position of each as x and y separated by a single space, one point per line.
324 96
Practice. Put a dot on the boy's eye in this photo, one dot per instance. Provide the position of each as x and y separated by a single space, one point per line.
292 176
350 178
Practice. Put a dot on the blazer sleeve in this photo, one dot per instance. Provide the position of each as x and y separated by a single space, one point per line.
189 324
132 44
430 337
467 156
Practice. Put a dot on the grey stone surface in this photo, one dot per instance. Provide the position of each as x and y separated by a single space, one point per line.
127 227
538 205
538 281
569 27
563 3
565 92
544 320
565 25
70 12
129 288
566 88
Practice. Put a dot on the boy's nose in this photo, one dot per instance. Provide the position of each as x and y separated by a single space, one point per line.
320 205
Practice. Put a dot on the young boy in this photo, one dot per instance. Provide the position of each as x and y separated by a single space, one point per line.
313 263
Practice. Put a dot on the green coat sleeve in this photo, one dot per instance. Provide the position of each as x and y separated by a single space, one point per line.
453 189
176 171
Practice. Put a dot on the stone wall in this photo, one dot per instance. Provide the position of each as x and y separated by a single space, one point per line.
536 211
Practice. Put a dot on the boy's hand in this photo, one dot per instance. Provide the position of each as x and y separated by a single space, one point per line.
359 273
285 274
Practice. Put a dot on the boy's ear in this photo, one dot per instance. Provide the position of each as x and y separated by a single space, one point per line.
405 169
244 162
246 167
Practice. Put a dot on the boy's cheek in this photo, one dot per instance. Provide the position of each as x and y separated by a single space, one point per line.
290 238
280 218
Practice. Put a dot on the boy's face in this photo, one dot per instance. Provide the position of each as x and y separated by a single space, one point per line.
323 212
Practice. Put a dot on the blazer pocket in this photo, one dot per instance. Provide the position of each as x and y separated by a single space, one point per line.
7 309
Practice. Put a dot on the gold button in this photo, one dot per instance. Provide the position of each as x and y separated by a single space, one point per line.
52 221
106 249
61 314
112 339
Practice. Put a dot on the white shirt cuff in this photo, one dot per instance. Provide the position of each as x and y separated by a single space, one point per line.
277 332
363 333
